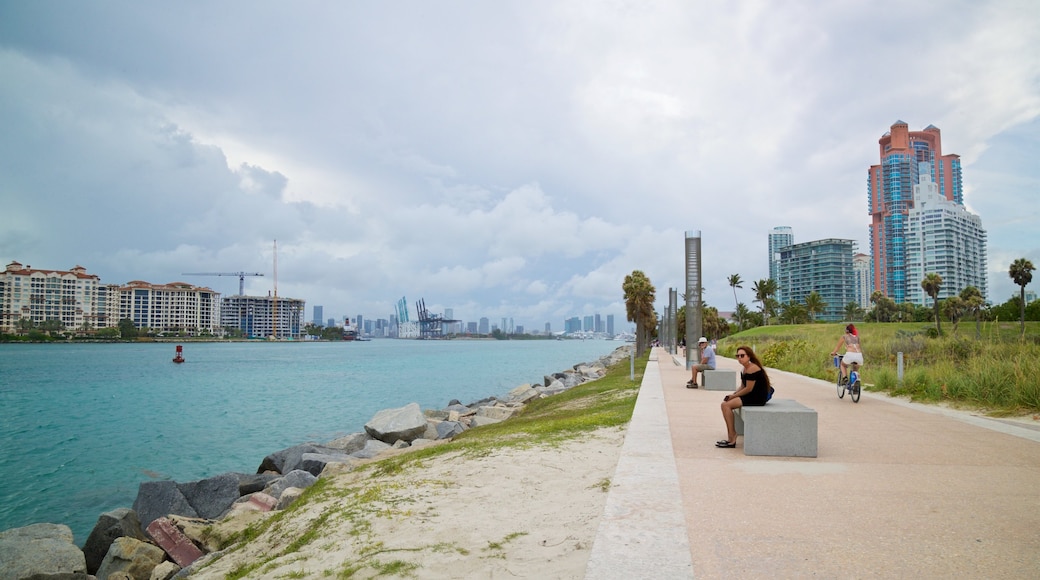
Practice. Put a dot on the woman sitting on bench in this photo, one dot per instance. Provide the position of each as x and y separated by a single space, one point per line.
754 391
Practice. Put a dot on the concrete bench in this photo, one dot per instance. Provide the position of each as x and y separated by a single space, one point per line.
783 427
719 380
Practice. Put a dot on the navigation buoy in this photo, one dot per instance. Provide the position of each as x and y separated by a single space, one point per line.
180 354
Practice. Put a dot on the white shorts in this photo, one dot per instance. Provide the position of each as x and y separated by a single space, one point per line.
852 357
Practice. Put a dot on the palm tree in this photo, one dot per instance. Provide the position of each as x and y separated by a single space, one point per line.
1021 272
741 316
734 283
973 302
932 283
814 305
764 291
639 306
954 308
853 312
793 313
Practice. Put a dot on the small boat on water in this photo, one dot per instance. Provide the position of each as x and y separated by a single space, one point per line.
179 357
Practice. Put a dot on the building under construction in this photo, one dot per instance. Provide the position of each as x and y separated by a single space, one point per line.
263 316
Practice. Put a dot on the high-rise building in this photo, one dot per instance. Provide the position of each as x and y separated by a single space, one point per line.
944 238
780 237
822 266
318 314
905 154
548 328
598 323
864 287
571 325
610 324
483 327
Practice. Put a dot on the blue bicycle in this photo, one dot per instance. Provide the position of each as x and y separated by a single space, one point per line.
851 384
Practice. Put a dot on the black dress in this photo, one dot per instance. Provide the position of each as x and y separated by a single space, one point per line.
759 393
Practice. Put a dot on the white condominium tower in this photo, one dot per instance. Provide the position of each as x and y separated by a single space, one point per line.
945 238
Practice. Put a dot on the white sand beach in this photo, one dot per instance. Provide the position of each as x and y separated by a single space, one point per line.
516 513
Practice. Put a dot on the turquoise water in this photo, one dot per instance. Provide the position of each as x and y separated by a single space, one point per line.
84 424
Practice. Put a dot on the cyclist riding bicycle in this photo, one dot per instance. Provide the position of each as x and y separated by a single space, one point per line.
853 354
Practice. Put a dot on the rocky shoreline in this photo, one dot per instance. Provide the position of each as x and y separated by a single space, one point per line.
160 536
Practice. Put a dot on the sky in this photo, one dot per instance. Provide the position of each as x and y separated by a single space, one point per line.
502 159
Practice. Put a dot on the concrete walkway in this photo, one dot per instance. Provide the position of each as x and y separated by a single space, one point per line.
898 490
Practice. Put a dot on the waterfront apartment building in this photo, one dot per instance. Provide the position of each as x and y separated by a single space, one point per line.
904 155
264 316
39 295
610 324
171 308
861 268
822 266
943 237
780 237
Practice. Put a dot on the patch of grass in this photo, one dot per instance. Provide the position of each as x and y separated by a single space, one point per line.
994 369
603 485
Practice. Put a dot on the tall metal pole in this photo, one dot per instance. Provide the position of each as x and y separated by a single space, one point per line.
693 296
673 320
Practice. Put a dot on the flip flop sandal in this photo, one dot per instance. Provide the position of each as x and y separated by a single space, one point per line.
725 444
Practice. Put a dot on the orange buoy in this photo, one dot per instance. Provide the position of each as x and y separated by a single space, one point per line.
180 355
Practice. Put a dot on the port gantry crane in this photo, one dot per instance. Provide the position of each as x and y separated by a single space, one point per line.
241 277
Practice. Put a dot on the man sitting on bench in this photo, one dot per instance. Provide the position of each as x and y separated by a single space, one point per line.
707 361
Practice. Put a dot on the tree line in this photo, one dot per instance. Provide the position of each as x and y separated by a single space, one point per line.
640 294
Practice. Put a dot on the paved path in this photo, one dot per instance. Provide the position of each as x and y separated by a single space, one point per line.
898 490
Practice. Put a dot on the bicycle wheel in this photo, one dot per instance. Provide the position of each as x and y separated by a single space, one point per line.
841 387
854 391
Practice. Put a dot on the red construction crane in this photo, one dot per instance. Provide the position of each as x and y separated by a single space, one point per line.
241 277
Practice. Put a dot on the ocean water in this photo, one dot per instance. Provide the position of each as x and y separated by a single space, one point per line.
82 425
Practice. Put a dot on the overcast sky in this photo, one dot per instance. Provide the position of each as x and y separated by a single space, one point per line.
503 159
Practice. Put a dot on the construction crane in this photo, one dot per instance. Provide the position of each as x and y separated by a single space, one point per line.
241 277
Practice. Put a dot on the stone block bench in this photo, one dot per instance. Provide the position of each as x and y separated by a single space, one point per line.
719 380
783 427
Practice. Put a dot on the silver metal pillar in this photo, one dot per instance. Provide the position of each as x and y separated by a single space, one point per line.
694 315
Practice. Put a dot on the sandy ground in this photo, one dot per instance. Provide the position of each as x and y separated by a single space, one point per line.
517 513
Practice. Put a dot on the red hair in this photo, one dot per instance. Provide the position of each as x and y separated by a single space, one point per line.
851 329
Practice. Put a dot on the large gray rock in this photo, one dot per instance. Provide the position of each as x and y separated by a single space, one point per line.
296 478
252 483
287 459
40 550
449 429
405 423
554 388
156 499
110 525
522 394
314 463
497 412
133 558
211 497
349 443
372 448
